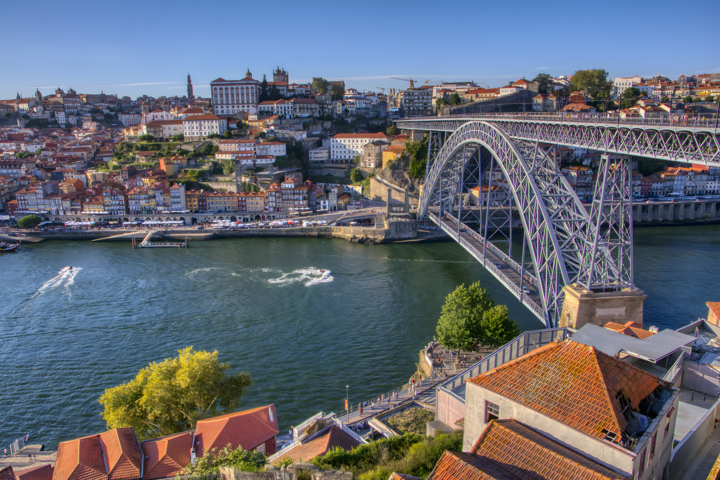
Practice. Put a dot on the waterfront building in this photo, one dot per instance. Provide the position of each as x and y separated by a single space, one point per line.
111 455
165 457
253 429
178 201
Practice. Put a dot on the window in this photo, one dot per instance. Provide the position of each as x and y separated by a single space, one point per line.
641 468
652 446
492 411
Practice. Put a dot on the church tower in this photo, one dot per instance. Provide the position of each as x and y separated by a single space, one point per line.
189 88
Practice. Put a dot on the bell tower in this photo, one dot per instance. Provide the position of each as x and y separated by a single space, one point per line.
190 95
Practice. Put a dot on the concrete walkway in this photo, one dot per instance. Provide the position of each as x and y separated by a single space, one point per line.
29 456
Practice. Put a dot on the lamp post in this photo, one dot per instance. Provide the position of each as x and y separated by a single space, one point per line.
347 401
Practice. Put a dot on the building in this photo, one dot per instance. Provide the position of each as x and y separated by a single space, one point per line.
319 155
253 429
392 152
172 165
275 149
230 97
320 437
344 147
373 154
478 94
584 400
418 101
545 103
276 107
620 84
581 179
112 455
128 119
165 457
164 129
197 127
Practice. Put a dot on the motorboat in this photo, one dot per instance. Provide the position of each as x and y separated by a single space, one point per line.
9 247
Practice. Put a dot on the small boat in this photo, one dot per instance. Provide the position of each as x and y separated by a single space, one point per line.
8 247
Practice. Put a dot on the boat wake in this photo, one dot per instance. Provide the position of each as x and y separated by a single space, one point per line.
65 277
310 276
199 270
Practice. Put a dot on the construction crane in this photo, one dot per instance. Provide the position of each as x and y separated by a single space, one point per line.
412 82
426 81
381 88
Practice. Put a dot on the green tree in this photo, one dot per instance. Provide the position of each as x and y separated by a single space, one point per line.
392 130
455 99
440 102
497 328
264 90
337 92
228 166
8 114
29 221
543 80
356 175
227 133
274 93
146 138
594 82
171 396
418 157
239 459
178 138
697 100
688 99
664 99
357 159
709 98
630 97
460 325
319 84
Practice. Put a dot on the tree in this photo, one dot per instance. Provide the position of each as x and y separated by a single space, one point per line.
228 166
709 98
543 80
455 99
26 116
664 99
357 159
319 84
337 92
264 90
688 99
146 138
418 157
29 221
171 396
8 114
498 329
274 93
440 102
697 100
356 175
227 133
594 82
238 459
630 97
178 138
460 325
392 130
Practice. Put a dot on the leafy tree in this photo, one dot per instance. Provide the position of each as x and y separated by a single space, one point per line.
418 157
8 114
264 90
709 98
29 221
697 100
357 159
543 80
594 82
664 99
460 325
239 459
178 138
337 92
356 175
171 396
455 99
497 327
213 135
630 97
319 84
228 166
440 102
392 130
146 138
688 99
227 133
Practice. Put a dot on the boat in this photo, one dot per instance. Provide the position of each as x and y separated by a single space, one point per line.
8 247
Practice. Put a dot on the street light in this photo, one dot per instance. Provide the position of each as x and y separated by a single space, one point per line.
347 402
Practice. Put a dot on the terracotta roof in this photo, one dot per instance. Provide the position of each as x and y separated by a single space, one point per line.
201 117
248 429
43 472
574 384
122 453
80 459
319 446
166 456
360 135
7 473
464 466
518 450
715 307
632 329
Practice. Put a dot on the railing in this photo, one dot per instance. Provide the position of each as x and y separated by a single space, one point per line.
17 444
518 347
675 369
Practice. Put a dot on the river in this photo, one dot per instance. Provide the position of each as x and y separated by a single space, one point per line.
268 310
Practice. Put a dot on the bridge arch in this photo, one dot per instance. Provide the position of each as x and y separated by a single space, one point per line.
553 232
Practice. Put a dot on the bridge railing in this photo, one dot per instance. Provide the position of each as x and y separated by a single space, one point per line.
691 121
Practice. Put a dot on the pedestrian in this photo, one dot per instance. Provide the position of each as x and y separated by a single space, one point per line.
360 408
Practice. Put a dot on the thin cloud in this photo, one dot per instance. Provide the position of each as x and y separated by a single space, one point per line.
185 86
136 84
545 68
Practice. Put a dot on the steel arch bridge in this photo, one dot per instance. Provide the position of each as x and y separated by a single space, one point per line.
565 243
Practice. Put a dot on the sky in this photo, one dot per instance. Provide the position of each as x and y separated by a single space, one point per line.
148 47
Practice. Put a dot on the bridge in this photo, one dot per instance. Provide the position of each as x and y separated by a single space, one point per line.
562 243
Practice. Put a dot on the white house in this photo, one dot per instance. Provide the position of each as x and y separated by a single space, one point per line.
346 146
128 119
620 84
276 149
197 127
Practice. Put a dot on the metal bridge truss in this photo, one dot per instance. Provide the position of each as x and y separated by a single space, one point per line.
555 223
607 259
676 143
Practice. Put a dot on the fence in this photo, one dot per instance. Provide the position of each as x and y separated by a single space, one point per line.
17 444
675 369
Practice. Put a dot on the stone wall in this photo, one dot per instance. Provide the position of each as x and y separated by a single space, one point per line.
379 189
289 472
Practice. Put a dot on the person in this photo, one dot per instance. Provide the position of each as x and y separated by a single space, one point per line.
360 408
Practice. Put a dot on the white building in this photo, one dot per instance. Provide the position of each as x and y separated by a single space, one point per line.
319 155
276 149
233 96
620 84
197 127
128 119
276 107
346 146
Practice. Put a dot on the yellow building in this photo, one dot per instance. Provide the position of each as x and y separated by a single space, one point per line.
95 206
391 153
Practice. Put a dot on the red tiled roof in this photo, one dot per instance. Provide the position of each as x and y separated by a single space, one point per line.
574 384
122 453
43 472
80 459
248 429
516 449
464 466
715 307
7 473
166 456
631 329
319 446
360 135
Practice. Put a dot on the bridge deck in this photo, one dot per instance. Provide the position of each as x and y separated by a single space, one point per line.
510 273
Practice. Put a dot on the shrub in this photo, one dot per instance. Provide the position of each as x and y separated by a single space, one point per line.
146 138
239 459
356 175
29 221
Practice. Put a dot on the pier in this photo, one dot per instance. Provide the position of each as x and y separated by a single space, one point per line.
146 243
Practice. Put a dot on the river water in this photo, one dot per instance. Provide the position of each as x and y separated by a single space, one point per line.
266 307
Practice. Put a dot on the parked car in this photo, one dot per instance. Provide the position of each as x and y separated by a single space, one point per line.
526 290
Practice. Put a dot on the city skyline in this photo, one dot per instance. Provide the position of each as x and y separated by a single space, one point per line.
406 41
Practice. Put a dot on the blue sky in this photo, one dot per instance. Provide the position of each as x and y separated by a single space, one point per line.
148 47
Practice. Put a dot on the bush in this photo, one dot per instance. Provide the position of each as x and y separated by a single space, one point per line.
239 459
146 138
212 135
29 221
356 175
178 138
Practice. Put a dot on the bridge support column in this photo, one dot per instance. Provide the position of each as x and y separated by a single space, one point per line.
582 306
